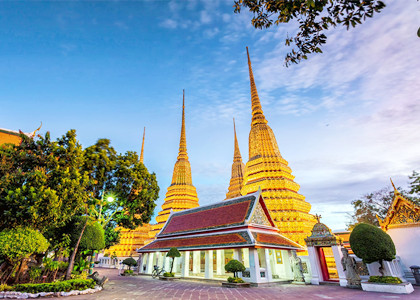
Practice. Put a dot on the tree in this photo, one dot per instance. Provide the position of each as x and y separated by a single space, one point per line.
17 245
130 262
372 244
234 266
93 237
41 182
112 235
172 253
134 189
313 16
414 185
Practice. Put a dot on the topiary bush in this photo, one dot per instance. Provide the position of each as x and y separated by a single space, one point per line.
385 279
130 262
172 253
234 266
93 237
168 274
235 280
372 244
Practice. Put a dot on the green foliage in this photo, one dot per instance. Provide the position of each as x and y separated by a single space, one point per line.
313 17
81 264
77 275
173 252
234 266
112 235
34 273
5 288
58 286
128 272
93 237
235 280
168 274
20 243
414 185
41 182
130 262
371 244
385 279
135 190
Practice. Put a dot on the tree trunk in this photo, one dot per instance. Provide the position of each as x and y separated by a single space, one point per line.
381 268
73 255
172 264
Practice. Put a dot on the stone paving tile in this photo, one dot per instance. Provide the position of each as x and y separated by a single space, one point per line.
147 288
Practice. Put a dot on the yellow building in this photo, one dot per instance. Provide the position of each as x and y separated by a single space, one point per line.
130 240
266 168
238 170
181 194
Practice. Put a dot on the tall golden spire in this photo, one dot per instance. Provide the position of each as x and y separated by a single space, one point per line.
268 170
142 147
181 194
238 170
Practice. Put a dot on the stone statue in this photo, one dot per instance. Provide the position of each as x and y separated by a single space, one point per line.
296 263
98 280
349 267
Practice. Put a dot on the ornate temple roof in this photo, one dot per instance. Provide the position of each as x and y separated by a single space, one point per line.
13 137
401 213
268 170
240 222
238 170
322 236
181 194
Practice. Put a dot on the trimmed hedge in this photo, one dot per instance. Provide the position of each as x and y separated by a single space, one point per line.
235 280
385 279
168 274
58 286
371 243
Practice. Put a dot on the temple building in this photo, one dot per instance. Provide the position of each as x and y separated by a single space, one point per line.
238 170
210 236
266 168
130 240
13 137
181 194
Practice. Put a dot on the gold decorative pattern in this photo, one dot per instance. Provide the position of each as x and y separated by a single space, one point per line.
259 216
266 168
238 170
181 194
322 236
402 212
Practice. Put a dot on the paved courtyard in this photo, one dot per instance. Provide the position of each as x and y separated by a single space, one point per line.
144 287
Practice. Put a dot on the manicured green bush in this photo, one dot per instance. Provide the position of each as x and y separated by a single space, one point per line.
58 286
235 280
128 272
93 237
234 266
172 253
19 243
130 262
168 274
372 244
385 279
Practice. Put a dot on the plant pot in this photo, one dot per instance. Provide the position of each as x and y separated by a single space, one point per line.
400 288
236 285
168 278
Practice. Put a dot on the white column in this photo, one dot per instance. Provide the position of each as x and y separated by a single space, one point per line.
208 273
150 264
315 266
186 264
219 262
268 272
167 263
196 262
236 254
337 257
254 266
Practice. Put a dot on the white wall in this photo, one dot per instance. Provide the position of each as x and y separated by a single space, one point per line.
407 243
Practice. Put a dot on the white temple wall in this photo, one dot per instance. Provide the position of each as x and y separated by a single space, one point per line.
407 244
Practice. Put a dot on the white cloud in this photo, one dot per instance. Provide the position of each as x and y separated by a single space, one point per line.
169 23
205 17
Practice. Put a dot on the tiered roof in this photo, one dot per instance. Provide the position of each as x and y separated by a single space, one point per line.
240 222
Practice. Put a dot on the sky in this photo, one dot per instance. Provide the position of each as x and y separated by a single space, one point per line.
346 120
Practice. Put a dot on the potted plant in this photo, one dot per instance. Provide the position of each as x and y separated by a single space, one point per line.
372 244
235 266
172 253
129 262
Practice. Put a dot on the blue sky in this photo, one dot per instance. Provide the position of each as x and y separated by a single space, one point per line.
345 120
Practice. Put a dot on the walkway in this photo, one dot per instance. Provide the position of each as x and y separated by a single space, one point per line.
144 287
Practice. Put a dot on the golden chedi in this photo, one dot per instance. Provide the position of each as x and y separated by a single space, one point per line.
238 170
181 194
266 168
130 240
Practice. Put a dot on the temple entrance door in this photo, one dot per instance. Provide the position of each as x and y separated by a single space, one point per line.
327 262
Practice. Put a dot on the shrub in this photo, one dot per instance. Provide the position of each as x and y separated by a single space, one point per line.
58 286
168 274
235 280
20 243
93 237
34 273
372 244
5 288
173 252
385 279
130 262
234 266
128 272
